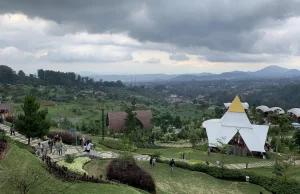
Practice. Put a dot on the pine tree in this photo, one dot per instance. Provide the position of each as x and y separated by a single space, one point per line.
33 122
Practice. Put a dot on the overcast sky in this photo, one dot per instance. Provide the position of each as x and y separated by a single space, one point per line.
150 36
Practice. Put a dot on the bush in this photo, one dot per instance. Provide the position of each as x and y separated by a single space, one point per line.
275 185
10 119
76 166
67 137
116 145
156 154
70 158
127 171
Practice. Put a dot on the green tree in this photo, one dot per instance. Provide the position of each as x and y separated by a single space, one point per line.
33 122
21 73
219 112
177 122
297 138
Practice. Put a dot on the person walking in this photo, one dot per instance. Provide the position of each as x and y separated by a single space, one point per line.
12 130
59 146
208 150
151 162
50 144
172 165
88 146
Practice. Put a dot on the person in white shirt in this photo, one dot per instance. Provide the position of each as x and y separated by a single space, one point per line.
88 146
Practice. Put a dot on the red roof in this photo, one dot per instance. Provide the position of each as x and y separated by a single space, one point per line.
116 120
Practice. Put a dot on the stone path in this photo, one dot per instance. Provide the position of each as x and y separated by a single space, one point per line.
21 138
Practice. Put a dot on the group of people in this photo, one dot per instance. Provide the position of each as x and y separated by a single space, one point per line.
86 145
57 143
152 163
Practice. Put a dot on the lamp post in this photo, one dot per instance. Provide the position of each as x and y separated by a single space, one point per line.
102 123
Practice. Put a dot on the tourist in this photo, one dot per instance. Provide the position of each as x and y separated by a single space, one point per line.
151 161
60 145
50 144
83 142
172 164
39 150
88 146
56 138
208 150
12 130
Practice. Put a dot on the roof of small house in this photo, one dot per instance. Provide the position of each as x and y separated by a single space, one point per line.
4 106
116 120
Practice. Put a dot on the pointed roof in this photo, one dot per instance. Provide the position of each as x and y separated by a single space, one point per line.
236 106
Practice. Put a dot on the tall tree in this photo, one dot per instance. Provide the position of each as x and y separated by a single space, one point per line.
21 73
33 122
177 122
130 123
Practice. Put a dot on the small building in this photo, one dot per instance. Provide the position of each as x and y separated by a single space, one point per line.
294 113
266 110
5 110
116 120
235 128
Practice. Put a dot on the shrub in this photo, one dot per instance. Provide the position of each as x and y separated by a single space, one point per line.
127 171
10 119
116 145
67 137
156 154
70 158
275 185
76 166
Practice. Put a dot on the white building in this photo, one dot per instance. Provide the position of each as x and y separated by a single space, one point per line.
235 122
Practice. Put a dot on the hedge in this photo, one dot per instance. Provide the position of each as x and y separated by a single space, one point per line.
116 145
273 184
67 137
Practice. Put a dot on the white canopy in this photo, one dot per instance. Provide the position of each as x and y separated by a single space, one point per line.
233 122
245 105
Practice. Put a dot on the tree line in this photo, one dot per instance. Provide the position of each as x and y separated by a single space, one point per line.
49 77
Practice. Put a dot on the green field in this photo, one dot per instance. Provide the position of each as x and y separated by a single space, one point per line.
183 181
20 160
198 155
293 172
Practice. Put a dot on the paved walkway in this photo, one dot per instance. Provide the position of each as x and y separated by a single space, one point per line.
21 138
174 145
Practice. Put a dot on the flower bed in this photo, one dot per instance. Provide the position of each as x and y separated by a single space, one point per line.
76 166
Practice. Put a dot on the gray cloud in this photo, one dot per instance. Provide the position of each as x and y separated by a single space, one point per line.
178 57
217 25
152 60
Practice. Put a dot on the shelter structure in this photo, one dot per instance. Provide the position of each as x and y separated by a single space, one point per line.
235 128
116 120
5 110
294 113
266 110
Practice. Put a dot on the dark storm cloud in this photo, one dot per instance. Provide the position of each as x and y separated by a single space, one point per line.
217 25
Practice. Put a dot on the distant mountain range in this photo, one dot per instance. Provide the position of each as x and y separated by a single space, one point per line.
268 72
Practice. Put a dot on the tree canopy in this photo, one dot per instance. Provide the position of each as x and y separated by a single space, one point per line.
33 122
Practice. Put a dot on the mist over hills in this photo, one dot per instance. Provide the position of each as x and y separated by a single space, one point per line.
267 72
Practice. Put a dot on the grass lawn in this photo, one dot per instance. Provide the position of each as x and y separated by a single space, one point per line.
183 181
20 159
198 155
293 172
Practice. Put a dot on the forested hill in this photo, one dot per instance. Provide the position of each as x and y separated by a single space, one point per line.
49 77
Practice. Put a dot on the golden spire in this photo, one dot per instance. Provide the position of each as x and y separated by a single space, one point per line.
236 106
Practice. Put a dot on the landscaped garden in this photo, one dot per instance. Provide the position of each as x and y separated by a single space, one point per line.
18 161
182 181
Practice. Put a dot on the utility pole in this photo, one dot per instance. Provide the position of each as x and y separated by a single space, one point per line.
102 123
